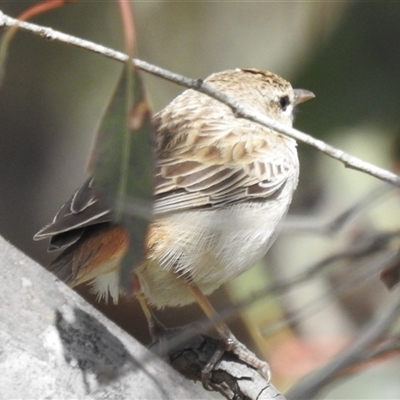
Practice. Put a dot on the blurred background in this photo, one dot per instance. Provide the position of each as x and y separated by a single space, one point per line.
348 53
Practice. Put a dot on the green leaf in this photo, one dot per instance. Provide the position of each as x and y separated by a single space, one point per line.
122 163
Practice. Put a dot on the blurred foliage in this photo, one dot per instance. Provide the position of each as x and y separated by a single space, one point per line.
355 73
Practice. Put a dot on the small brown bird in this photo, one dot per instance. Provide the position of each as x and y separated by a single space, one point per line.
222 186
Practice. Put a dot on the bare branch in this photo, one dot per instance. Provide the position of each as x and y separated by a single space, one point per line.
55 345
305 224
197 84
390 346
309 387
365 248
231 377
355 280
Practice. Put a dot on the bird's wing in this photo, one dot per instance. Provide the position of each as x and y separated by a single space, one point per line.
83 209
223 163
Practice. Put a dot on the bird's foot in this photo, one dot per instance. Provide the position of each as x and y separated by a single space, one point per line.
230 343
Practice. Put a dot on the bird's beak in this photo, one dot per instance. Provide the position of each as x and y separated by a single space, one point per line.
302 95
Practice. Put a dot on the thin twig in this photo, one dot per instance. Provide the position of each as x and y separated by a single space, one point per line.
389 347
365 248
316 305
201 86
309 387
294 224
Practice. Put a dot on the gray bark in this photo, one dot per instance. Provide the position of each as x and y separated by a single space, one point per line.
54 345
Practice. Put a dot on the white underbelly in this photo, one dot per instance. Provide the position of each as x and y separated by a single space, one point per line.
219 245
209 248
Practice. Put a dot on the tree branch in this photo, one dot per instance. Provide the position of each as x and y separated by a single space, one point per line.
203 87
309 387
316 225
55 345
366 248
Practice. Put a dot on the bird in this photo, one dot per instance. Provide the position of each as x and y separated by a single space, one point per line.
222 186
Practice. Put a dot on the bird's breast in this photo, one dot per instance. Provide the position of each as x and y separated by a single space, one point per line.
208 247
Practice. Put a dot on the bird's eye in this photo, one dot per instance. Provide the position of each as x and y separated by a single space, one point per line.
284 102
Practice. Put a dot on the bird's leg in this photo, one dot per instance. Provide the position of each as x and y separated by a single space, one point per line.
156 328
229 341
163 339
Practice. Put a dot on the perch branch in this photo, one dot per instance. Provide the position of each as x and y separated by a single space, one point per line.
348 160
